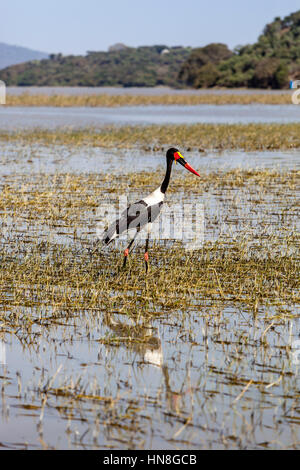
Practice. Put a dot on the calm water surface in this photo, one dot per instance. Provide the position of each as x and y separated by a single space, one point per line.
31 159
52 118
134 91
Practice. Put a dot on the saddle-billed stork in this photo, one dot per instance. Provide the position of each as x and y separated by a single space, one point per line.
142 213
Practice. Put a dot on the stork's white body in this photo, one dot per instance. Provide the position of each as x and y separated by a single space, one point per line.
137 216
154 198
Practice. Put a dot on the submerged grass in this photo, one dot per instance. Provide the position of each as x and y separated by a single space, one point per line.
106 100
46 282
195 355
58 278
76 275
197 136
64 195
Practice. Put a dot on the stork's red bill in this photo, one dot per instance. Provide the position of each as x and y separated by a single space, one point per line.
179 158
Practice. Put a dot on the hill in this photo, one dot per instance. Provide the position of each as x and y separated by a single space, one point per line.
142 66
200 69
11 55
268 63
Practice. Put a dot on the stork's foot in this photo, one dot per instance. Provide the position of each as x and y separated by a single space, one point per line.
126 253
146 258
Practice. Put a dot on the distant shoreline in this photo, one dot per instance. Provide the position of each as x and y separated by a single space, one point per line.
145 91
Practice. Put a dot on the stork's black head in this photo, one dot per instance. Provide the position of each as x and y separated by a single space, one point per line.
173 154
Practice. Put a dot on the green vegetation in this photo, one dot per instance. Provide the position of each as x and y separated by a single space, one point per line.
155 138
144 66
269 63
200 69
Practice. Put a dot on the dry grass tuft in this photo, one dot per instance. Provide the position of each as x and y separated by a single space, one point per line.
198 136
105 100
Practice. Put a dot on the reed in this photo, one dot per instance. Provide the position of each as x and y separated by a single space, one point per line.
195 137
105 100
217 320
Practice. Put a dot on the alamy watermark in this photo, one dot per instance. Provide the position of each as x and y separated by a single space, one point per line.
295 84
2 352
182 221
296 352
295 343
2 92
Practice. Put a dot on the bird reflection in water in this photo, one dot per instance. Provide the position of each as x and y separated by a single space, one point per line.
141 338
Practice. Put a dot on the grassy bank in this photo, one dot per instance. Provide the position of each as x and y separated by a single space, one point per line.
144 100
189 137
68 279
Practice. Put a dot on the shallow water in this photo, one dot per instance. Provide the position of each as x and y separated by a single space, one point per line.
232 209
179 381
182 377
51 118
17 158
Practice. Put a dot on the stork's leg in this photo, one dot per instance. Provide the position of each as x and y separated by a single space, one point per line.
126 252
146 255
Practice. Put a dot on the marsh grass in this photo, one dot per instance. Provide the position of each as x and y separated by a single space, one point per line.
62 279
157 138
72 198
105 100
85 329
78 274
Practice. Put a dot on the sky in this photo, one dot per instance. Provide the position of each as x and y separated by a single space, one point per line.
75 26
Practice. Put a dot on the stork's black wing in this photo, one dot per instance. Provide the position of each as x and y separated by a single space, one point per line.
135 216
